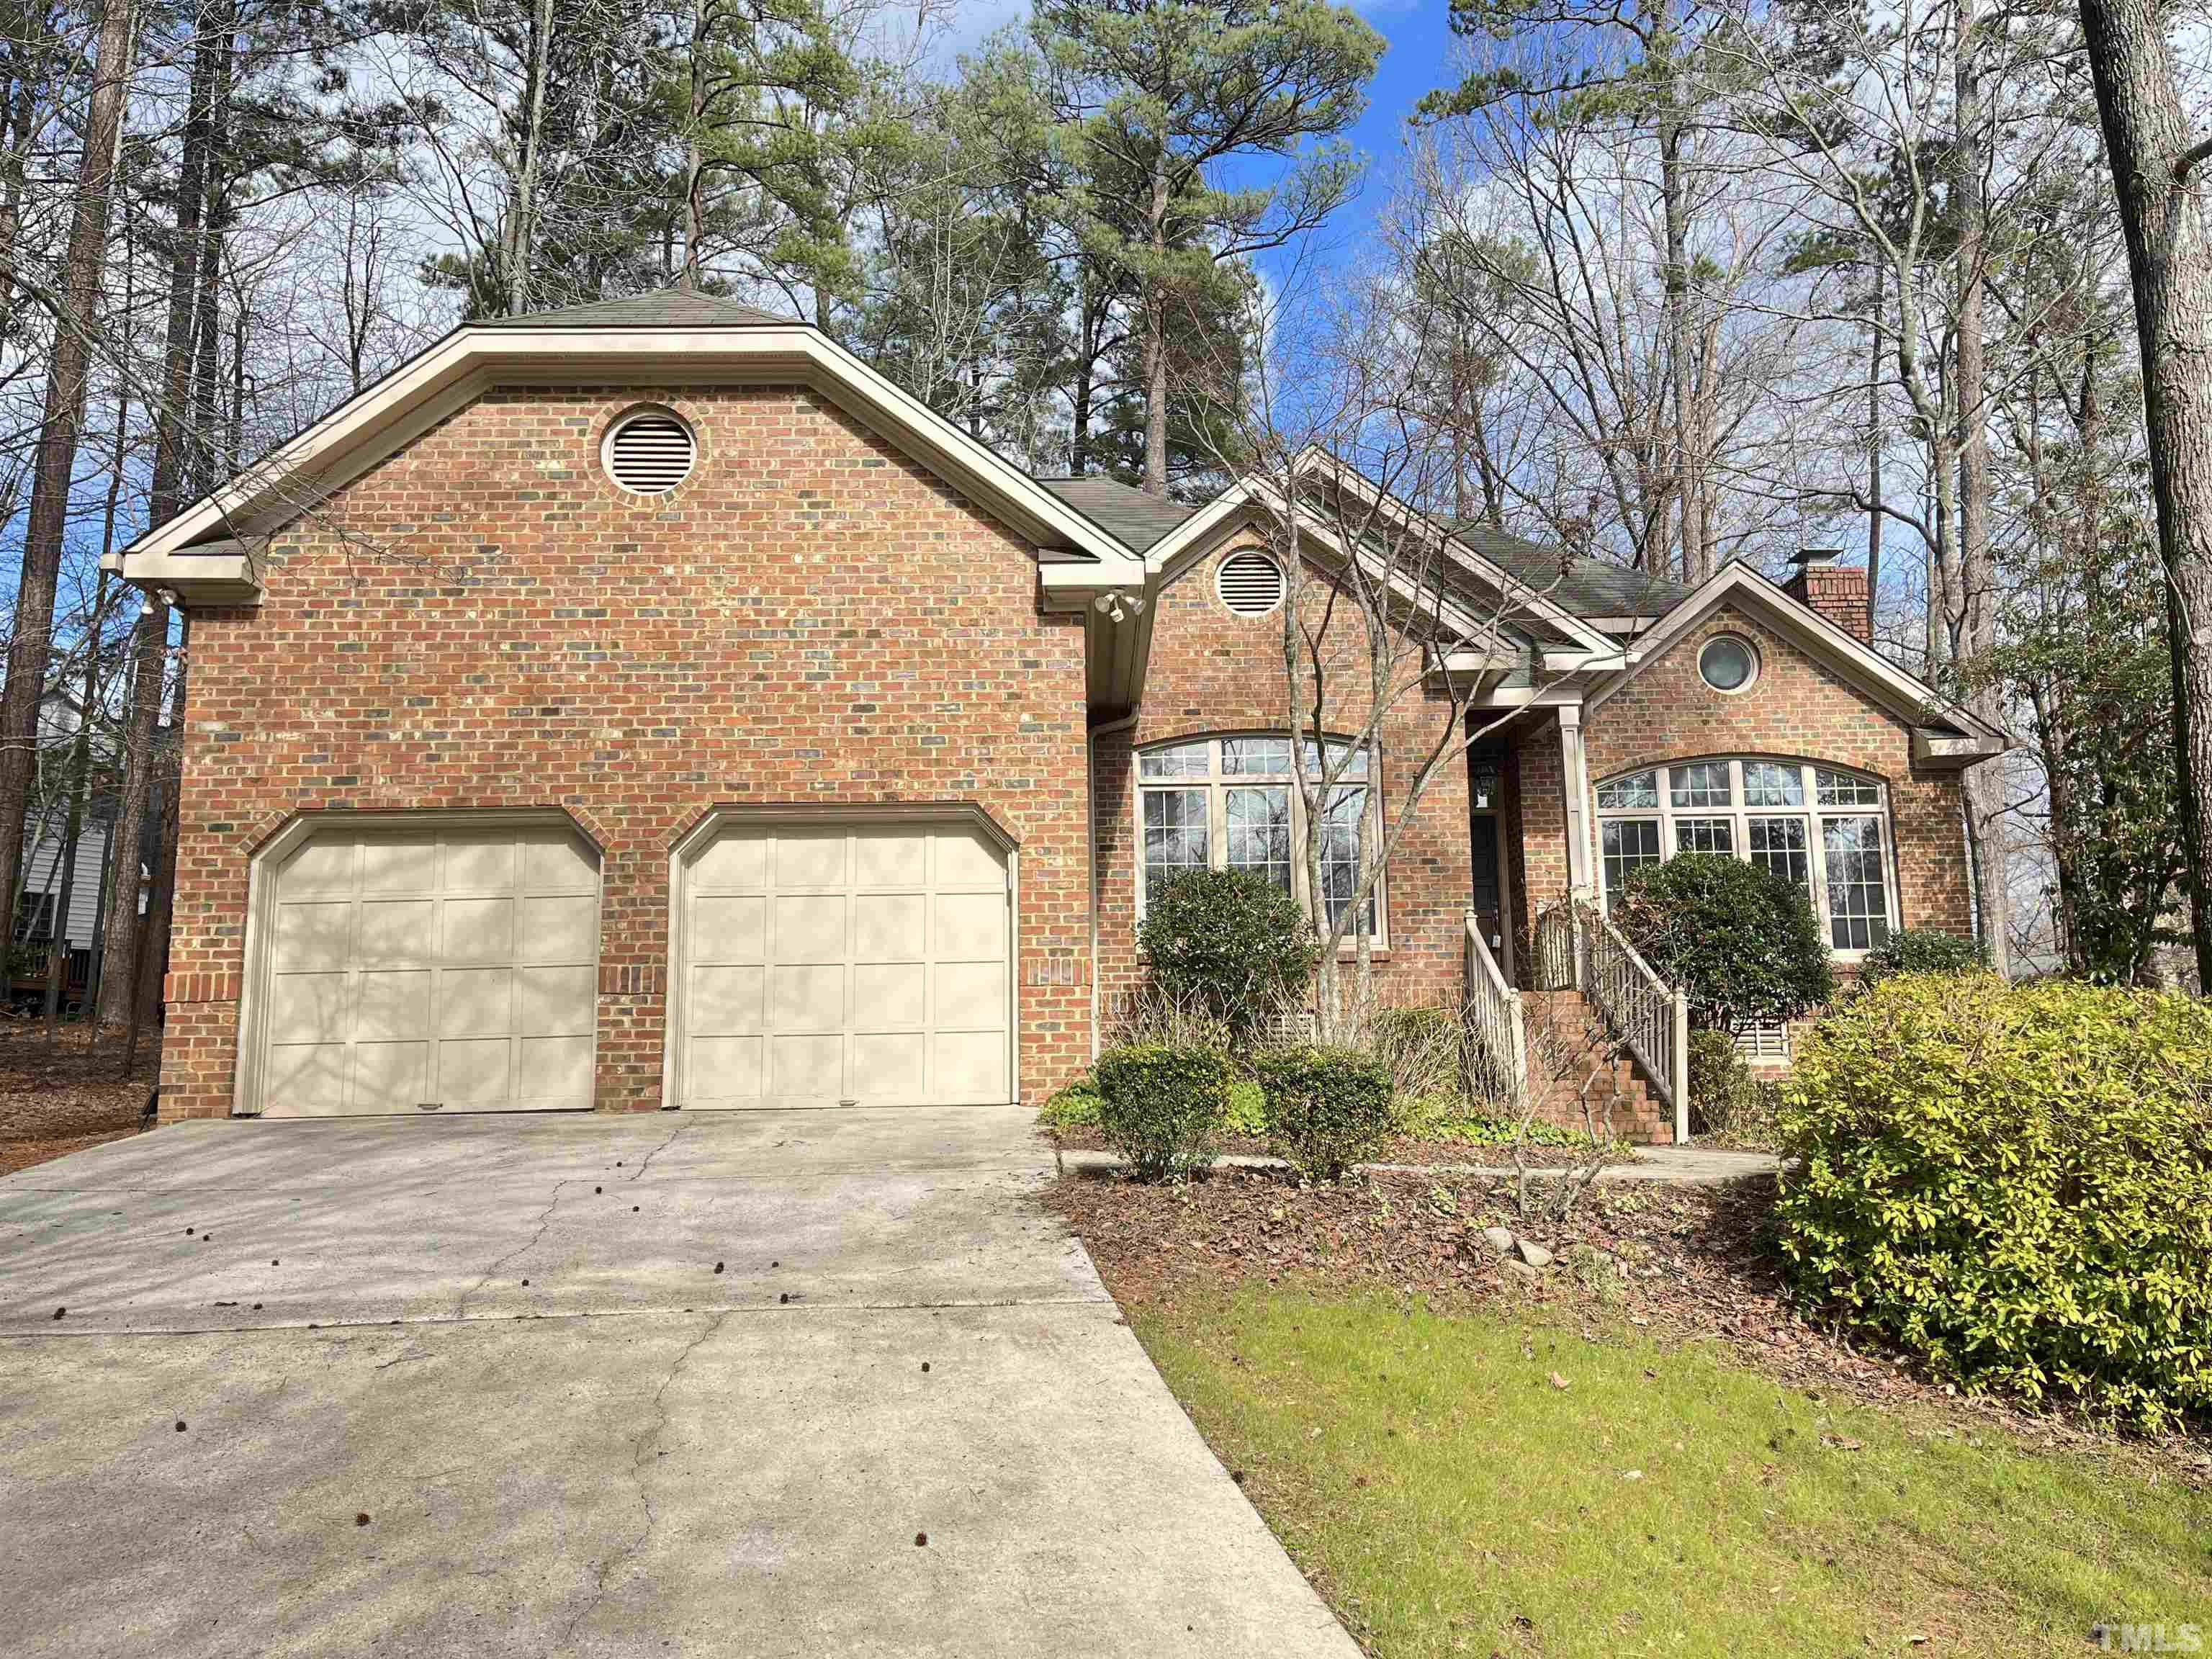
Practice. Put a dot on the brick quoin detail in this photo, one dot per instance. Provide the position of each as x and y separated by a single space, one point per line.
486 620
1212 672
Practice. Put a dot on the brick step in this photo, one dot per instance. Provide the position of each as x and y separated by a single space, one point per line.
1566 1036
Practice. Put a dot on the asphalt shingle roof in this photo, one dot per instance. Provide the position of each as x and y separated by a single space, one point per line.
1581 587
1133 517
667 308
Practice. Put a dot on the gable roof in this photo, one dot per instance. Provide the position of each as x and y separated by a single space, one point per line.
1137 518
665 308
670 338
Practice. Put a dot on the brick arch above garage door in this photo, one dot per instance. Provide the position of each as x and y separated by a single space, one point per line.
442 963
828 959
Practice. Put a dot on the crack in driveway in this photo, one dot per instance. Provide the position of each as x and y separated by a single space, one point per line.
637 1466
544 1220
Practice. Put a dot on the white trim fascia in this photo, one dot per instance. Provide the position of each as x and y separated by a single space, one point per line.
380 421
1582 662
1937 749
214 574
1904 695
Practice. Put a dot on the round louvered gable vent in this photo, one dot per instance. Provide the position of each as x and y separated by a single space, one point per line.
1249 584
649 454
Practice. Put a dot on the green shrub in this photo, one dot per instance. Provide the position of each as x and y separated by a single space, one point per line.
1454 1118
1741 941
1228 941
1247 1110
1327 1109
1161 1108
1075 1107
2015 1183
1920 951
1724 1097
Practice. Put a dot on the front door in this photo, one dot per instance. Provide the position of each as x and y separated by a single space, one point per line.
1485 860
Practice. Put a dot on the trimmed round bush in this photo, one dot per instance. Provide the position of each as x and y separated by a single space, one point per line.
1326 1108
2015 1183
1163 1108
1229 941
1742 941
1920 951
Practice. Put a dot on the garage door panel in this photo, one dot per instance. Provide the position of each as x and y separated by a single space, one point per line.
726 1067
806 859
971 1065
309 1008
807 1067
475 1071
890 859
890 1066
738 862
424 969
474 865
313 1074
556 1068
399 865
965 861
807 997
478 930
729 929
319 867
971 996
891 996
728 1000
398 930
475 1002
889 927
810 927
971 928
389 1077
556 1002
312 936
554 863
392 1004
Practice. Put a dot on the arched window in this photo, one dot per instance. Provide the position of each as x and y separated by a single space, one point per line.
1823 827
1232 804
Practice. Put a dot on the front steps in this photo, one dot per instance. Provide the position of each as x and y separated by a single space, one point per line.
1568 1040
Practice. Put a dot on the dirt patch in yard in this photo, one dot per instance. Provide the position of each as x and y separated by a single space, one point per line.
1424 1153
1680 1260
62 1097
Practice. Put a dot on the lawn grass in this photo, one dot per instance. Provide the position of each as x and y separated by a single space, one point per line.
1448 1497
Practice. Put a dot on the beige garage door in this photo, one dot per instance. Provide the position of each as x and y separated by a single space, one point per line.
444 971
846 966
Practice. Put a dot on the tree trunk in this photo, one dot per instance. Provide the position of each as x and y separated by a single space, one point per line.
28 651
522 233
2170 261
1155 338
1689 487
694 217
119 957
1873 457
1975 638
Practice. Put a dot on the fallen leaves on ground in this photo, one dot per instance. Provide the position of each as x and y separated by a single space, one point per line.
63 1097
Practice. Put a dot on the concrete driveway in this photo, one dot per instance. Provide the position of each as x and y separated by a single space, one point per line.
476 1386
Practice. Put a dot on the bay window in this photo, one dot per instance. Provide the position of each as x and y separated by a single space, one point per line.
1824 827
1232 804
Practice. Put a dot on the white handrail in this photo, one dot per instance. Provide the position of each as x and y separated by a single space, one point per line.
1499 1063
1650 1015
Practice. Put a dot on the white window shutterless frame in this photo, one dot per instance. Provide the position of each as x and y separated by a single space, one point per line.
1826 827
1231 803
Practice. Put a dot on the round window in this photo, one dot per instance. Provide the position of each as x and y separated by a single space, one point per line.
1728 663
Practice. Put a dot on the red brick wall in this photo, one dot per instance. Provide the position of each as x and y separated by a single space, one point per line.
1213 672
1796 710
485 620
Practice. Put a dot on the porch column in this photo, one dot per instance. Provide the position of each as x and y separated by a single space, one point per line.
1574 783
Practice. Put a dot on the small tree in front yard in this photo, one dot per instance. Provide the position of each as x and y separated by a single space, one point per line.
1742 941
1230 942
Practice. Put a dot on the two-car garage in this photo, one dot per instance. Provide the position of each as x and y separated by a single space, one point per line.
448 962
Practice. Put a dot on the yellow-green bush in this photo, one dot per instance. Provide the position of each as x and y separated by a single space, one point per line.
2014 1182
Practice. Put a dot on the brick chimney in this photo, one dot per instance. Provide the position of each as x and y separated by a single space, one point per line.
1837 591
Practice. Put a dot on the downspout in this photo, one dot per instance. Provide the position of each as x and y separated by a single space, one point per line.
1091 832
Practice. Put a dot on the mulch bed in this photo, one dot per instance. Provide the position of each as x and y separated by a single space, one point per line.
1399 1149
1680 1260
63 1097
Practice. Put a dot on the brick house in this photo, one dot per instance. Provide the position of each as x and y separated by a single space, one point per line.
649 705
